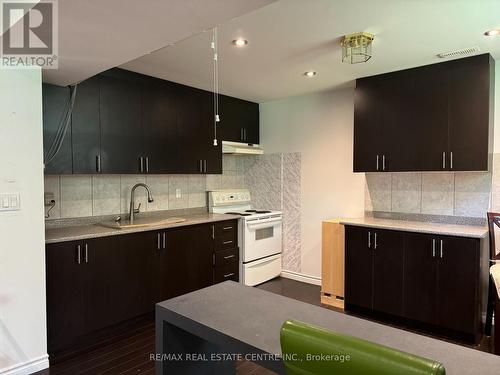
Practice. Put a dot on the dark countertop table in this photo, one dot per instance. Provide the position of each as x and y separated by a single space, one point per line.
232 318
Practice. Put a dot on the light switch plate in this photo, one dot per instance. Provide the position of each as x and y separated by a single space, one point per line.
10 202
178 193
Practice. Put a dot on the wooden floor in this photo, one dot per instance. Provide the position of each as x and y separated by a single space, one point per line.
129 353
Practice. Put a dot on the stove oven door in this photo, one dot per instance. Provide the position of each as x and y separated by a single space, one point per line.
261 238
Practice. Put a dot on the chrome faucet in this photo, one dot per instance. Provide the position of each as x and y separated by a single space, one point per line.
134 210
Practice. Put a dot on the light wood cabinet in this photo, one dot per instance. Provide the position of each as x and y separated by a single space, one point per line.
332 264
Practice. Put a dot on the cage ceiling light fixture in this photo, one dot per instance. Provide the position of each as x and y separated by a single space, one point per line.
357 47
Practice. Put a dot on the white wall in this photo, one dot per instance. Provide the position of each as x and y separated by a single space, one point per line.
320 127
22 260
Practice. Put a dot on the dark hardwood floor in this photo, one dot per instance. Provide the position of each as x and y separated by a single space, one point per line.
129 353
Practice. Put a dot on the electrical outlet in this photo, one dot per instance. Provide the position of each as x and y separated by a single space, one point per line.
48 198
178 193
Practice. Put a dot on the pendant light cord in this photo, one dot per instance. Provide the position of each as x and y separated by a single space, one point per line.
216 81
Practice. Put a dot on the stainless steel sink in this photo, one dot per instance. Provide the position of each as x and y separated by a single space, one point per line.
141 222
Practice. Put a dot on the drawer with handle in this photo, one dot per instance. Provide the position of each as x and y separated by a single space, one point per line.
227 272
221 258
225 228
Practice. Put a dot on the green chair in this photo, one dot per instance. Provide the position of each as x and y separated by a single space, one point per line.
310 350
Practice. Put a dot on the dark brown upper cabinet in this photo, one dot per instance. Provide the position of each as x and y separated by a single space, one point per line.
86 128
121 126
239 120
159 121
431 118
55 102
127 123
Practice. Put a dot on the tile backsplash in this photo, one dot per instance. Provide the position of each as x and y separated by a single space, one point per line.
98 195
437 193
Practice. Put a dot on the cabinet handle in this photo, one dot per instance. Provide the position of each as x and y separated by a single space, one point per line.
229 256
444 160
433 247
228 275
158 241
213 232
98 163
245 133
451 159
369 239
227 228
227 242
79 254
441 249
242 137
164 240
86 253
374 240
200 166
377 162
141 159
383 162
204 166
147 164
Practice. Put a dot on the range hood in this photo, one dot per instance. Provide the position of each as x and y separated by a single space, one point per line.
241 148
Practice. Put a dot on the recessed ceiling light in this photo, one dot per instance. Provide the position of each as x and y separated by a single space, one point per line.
240 42
310 73
492 32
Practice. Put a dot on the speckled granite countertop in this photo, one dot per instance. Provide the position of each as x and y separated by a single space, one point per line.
472 231
54 234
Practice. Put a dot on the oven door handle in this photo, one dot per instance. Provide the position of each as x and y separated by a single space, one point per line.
264 223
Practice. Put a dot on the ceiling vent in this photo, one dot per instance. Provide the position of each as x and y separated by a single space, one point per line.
459 52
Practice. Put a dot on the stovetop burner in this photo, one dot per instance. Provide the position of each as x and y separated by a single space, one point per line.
259 211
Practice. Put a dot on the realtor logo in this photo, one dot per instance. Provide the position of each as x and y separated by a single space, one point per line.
29 34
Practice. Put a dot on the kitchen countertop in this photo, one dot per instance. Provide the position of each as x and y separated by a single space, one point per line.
215 314
55 234
472 231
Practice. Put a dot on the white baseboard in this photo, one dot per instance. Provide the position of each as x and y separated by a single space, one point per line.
301 277
28 367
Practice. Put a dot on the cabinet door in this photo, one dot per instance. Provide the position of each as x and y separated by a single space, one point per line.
358 267
394 98
428 138
160 127
121 129
55 101
212 154
86 135
188 260
457 284
420 282
367 125
64 295
135 288
231 126
99 289
388 262
191 135
469 112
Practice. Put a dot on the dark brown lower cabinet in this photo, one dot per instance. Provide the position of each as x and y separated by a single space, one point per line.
425 280
376 260
420 278
96 284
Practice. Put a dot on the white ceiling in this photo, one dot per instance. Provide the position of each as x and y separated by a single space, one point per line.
288 37
96 35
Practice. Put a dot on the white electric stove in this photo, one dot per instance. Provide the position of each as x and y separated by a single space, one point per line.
259 234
